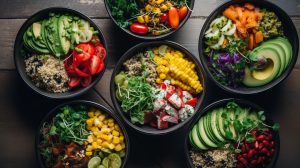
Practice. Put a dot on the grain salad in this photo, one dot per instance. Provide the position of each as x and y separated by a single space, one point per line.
47 72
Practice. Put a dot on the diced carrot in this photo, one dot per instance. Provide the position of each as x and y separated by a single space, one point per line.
239 11
250 25
224 43
243 20
251 42
249 6
231 14
259 37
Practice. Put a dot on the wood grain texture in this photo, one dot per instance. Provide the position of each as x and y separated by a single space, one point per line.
118 42
96 8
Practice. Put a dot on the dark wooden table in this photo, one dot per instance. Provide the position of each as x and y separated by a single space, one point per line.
21 110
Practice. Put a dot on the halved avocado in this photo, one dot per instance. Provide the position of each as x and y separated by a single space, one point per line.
262 77
274 46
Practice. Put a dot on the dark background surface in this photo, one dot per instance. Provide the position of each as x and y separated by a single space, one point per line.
21 110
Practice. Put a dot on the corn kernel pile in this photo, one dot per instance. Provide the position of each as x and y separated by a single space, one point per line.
180 71
152 11
106 133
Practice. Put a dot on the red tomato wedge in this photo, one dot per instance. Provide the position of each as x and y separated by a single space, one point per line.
74 82
100 52
101 67
83 52
82 73
192 102
94 65
173 18
86 81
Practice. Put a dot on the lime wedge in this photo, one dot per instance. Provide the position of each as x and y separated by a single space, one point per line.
162 50
94 162
114 160
105 162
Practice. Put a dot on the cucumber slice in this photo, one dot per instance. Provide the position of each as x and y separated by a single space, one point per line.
213 37
231 31
94 162
105 162
227 27
114 161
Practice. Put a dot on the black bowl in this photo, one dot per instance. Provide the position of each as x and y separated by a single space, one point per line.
102 108
141 47
222 103
289 31
150 37
19 60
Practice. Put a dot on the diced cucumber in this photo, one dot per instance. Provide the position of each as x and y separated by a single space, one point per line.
213 37
218 22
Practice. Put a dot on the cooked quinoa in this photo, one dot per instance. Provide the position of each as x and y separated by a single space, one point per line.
140 63
218 158
47 72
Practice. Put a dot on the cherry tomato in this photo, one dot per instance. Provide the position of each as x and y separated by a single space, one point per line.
94 64
163 18
100 52
83 52
182 12
86 81
138 28
173 18
192 102
74 82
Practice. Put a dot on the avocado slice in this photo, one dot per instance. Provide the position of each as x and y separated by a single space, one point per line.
214 125
52 36
262 77
196 139
37 29
203 134
63 25
286 45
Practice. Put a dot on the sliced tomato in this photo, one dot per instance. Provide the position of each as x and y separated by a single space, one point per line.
100 52
94 65
101 67
82 73
74 82
83 52
86 81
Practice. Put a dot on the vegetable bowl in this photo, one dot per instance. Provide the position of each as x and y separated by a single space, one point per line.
232 133
82 134
248 47
60 53
157 87
149 20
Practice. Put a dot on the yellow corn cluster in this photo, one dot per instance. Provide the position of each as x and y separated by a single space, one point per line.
154 8
181 72
105 133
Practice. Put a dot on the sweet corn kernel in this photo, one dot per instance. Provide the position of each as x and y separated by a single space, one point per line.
162 76
110 120
89 122
101 117
110 124
89 148
90 138
117 127
91 114
140 19
99 141
104 126
146 18
88 153
105 130
95 129
111 146
116 140
148 8
118 148
97 113
105 121
96 122
121 138
94 145
115 133
105 144
123 145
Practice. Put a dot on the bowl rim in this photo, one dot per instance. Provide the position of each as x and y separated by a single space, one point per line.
18 43
221 102
128 32
108 111
259 89
129 54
